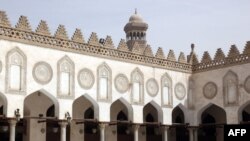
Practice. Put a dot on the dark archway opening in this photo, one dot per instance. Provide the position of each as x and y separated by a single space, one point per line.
210 118
90 128
246 114
178 118
52 127
151 119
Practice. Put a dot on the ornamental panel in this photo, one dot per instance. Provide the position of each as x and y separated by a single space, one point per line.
86 78
121 83
152 87
42 72
210 90
180 91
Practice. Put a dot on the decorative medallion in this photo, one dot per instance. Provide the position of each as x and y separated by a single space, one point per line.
121 83
86 78
180 91
247 84
210 90
42 72
152 87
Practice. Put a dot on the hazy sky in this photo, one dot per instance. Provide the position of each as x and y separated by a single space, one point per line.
173 24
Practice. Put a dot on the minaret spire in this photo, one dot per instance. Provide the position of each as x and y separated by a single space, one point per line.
135 10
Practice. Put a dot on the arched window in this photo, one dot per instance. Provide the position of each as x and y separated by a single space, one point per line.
137 87
104 82
230 88
16 71
166 90
65 77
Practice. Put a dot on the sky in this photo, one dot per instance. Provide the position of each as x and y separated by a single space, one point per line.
173 24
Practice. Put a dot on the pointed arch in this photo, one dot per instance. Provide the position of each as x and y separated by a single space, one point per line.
166 90
154 110
241 109
65 77
4 103
16 65
230 88
104 84
137 80
214 110
179 114
37 99
121 105
82 104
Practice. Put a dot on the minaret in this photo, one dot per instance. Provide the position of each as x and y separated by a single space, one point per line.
135 31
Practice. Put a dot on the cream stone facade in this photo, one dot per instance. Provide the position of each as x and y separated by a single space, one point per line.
55 88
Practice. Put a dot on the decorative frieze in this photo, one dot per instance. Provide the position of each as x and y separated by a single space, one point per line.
139 55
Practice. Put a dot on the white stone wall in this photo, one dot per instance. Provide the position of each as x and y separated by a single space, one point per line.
51 56
216 76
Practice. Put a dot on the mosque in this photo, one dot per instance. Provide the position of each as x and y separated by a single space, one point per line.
56 88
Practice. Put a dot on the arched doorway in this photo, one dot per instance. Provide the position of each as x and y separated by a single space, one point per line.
210 118
152 115
40 108
244 113
85 109
4 126
178 120
121 111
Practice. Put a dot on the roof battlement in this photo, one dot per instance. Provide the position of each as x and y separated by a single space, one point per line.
22 32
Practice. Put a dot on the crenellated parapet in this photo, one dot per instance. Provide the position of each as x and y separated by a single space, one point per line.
104 48
220 60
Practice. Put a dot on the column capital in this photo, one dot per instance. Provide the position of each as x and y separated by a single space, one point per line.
12 122
165 127
136 127
102 125
63 123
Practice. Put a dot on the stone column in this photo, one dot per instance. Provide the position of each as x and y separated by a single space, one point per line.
191 134
195 134
63 125
102 131
136 132
12 123
165 133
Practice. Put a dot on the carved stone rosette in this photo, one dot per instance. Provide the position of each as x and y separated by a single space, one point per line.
180 91
210 90
121 83
42 73
152 87
86 78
